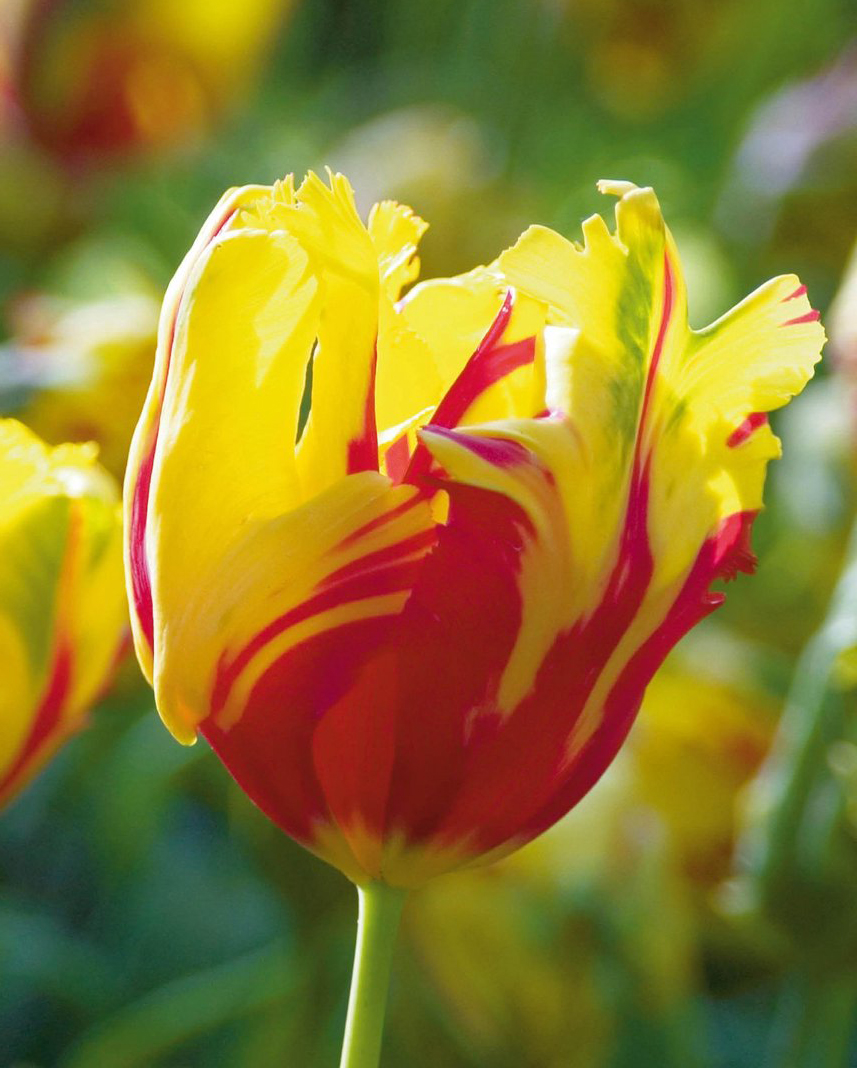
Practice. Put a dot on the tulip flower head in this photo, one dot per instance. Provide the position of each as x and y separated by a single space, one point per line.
62 614
418 627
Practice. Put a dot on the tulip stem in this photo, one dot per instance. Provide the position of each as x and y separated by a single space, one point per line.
377 927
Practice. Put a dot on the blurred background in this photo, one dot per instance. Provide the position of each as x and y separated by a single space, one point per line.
699 908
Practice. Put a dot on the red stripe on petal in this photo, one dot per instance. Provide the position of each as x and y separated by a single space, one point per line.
722 555
353 752
485 367
666 315
382 520
141 581
741 433
488 364
269 751
811 316
397 458
363 451
453 641
799 292
381 558
728 551
495 451
391 579
44 732
498 327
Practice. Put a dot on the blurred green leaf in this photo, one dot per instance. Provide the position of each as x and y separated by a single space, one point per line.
178 1011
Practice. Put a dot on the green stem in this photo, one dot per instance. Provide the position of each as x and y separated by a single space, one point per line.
807 727
814 1023
377 926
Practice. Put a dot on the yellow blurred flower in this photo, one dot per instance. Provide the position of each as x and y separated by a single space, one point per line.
90 364
62 608
696 744
640 59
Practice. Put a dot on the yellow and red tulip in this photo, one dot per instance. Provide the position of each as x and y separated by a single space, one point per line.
418 631
62 614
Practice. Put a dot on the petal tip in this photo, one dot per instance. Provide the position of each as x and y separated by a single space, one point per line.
615 187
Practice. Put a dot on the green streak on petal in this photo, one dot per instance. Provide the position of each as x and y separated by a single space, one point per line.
32 550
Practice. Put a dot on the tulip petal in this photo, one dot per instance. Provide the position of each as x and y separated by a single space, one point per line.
570 677
396 231
301 608
456 316
340 436
390 748
643 390
141 456
456 350
34 554
230 408
348 555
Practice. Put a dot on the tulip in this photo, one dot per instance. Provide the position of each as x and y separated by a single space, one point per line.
418 626
87 82
62 615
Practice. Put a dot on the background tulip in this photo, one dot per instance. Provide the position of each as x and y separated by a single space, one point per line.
89 82
61 610
80 369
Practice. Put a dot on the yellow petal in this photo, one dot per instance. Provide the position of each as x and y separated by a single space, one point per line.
230 410
640 387
340 434
424 346
648 472
396 231
226 214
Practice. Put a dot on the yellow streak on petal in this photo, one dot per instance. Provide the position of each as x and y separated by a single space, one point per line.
389 604
272 566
